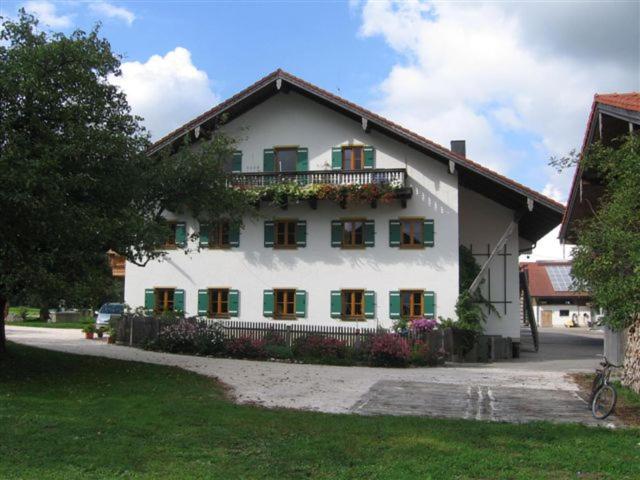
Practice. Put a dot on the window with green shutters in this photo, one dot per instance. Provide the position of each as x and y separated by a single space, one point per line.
159 300
269 160
411 233
149 300
284 303
218 302
353 157
412 304
219 234
177 235
236 162
302 164
285 233
369 157
352 233
353 305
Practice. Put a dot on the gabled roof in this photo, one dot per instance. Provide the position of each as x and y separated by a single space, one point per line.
540 283
624 105
546 213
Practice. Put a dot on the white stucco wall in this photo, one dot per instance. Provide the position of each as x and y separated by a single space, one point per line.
294 120
482 224
557 320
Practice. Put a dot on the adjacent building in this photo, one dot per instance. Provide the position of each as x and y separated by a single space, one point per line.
345 261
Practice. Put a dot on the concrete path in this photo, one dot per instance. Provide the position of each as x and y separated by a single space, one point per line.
413 391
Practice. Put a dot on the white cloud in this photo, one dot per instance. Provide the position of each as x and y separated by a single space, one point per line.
47 14
472 71
167 91
112 11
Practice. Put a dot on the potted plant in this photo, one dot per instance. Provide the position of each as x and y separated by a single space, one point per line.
89 330
100 331
112 335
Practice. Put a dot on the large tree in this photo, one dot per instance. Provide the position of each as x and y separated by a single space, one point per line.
607 260
75 179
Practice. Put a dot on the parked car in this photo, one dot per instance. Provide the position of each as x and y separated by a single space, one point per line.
107 312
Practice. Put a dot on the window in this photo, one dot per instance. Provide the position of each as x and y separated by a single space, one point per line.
411 303
352 158
170 242
352 304
411 232
219 235
164 300
218 302
285 233
285 304
564 313
286 159
352 233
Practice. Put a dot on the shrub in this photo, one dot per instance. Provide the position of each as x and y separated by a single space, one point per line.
390 350
273 337
319 346
281 352
190 336
422 355
423 325
245 347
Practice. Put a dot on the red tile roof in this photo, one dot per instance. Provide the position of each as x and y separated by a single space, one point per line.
408 134
539 283
628 101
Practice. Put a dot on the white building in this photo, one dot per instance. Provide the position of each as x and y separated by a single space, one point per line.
335 263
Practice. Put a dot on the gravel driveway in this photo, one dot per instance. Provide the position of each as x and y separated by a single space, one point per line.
347 389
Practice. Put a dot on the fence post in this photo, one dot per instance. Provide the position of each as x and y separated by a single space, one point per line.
287 336
131 331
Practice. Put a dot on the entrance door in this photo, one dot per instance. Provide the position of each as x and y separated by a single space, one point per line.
547 318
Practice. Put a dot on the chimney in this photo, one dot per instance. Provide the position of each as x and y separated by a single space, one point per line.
459 147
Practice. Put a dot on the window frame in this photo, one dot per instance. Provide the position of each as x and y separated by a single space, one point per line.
170 243
216 234
348 298
419 221
412 295
276 159
291 222
352 245
352 148
165 293
211 301
287 301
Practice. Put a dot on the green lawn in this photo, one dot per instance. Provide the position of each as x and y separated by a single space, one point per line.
65 417
35 323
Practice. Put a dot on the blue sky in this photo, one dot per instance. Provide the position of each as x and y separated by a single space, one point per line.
515 80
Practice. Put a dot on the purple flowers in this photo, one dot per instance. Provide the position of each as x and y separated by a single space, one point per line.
422 325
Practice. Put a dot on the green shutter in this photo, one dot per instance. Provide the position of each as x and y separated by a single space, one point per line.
234 235
394 233
394 305
428 233
336 233
369 157
269 160
203 302
369 304
336 158
234 303
430 304
181 234
301 303
336 304
204 234
149 299
301 233
267 303
178 301
302 165
236 163
269 233
369 233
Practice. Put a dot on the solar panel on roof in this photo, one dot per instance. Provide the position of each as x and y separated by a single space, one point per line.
560 276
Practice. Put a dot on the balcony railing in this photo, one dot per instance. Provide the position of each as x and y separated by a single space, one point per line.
393 176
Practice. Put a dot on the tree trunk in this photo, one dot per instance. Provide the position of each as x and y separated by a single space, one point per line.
44 314
4 309
631 370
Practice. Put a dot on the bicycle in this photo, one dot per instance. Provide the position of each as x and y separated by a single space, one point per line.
603 396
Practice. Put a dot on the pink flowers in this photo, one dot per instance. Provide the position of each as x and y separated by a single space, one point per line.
390 350
422 325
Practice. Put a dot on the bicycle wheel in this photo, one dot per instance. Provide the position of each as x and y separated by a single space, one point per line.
604 402
595 386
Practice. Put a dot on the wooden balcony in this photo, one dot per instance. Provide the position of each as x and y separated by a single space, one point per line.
117 264
393 176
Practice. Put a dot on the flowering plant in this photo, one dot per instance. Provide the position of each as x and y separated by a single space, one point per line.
189 335
423 325
319 346
390 350
245 347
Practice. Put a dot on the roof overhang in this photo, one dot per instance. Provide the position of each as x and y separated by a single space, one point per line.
542 213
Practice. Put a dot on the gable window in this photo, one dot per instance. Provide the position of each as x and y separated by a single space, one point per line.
411 232
219 235
353 233
286 159
285 303
352 304
411 303
285 233
164 300
218 302
352 158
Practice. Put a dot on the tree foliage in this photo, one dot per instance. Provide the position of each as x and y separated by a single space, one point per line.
75 177
606 262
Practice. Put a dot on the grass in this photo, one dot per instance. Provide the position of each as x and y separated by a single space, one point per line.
37 323
628 403
65 417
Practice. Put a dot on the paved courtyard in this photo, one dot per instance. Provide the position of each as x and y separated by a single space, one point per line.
533 388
